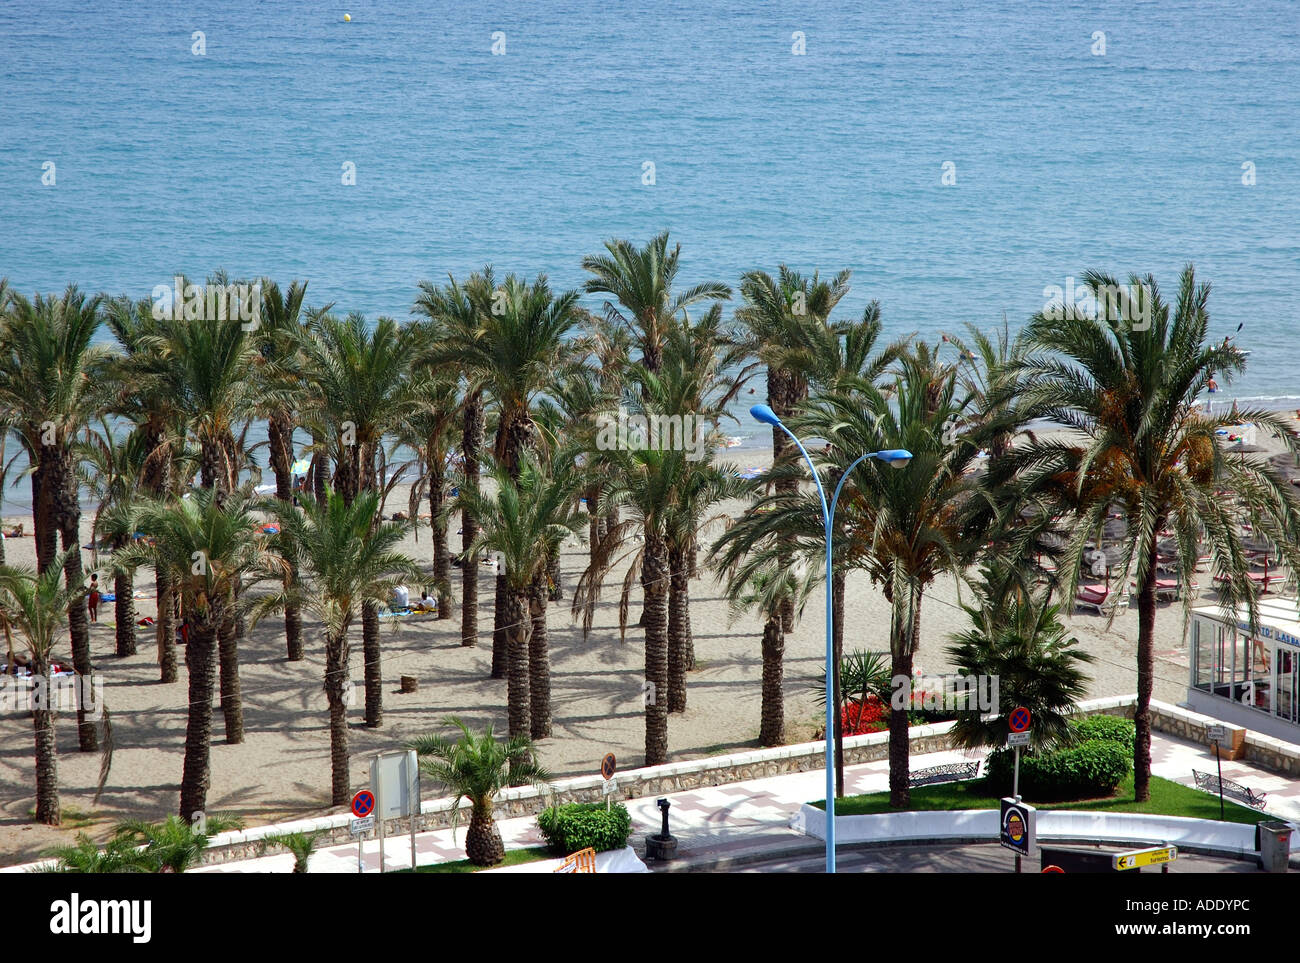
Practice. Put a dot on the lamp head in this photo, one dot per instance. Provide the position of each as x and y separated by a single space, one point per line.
895 457
764 414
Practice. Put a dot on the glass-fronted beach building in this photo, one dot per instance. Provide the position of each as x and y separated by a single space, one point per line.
1248 678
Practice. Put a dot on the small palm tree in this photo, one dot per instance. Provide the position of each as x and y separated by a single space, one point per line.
351 561
301 844
87 856
763 585
476 768
1018 639
175 844
37 606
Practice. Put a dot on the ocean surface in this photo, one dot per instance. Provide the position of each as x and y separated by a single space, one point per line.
1060 157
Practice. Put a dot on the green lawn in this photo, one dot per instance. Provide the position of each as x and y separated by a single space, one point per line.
513 858
1167 799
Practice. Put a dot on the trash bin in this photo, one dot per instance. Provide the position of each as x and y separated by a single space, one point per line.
1274 845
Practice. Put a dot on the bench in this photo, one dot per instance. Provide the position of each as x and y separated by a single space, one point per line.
1210 783
953 772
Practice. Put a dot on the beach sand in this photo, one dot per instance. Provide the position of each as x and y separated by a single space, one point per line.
282 768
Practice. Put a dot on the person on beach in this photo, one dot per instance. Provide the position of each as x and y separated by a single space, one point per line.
1212 386
92 600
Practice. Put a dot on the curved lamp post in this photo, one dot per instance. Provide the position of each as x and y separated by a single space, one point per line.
897 458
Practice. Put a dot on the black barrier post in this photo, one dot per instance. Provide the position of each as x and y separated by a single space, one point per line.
1219 763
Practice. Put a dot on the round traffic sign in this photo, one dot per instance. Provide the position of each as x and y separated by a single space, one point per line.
607 766
1053 869
363 803
1020 720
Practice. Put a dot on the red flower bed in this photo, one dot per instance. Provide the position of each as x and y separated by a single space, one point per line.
858 718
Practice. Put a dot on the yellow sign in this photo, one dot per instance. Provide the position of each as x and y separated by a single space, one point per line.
1146 857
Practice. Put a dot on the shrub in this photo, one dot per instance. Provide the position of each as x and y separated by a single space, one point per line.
858 719
576 826
1087 770
1108 728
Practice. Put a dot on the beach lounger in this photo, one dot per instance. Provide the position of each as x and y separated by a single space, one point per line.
1101 598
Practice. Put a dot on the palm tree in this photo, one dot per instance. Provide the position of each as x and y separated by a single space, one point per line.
1018 639
906 524
87 856
300 843
279 342
139 376
207 545
361 391
454 311
175 844
1126 378
524 524
51 383
476 768
762 585
37 606
351 560
640 280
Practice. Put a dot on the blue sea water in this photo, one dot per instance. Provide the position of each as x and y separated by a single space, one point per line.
167 161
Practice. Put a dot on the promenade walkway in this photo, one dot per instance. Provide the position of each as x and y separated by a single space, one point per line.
745 820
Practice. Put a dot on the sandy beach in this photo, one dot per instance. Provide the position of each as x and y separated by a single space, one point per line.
282 768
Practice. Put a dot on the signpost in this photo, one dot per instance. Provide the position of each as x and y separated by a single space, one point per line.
1019 722
1017 828
363 804
608 766
395 783
1216 735
1160 856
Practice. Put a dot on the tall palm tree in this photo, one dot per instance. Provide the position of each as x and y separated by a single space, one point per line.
1126 378
906 525
139 375
476 768
454 311
523 525
519 348
640 281
350 557
279 344
37 606
206 544
361 391
51 382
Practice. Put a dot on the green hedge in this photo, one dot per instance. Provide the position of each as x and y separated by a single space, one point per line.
1111 728
1089 769
576 826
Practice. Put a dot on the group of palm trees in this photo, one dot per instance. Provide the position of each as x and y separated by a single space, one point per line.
506 378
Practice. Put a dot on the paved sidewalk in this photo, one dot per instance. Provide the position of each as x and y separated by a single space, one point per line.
745 819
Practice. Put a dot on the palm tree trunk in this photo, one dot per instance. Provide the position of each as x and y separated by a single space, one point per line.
483 843
903 647
280 435
196 774
48 810
124 612
778 399
771 727
500 621
374 673
539 661
654 585
471 443
679 628
319 469
438 522
1146 676
232 703
165 626
68 513
336 672
43 511
517 685
595 521
555 587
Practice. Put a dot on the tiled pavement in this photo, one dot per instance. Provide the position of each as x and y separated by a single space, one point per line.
750 817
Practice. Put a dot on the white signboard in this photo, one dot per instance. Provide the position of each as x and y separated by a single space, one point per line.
395 781
1017 739
363 825
1217 734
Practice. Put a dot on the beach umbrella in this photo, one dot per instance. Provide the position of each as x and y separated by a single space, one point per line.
300 467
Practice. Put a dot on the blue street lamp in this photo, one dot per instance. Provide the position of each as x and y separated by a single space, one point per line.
897 458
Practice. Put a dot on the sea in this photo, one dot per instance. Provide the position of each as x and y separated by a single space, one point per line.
963 159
